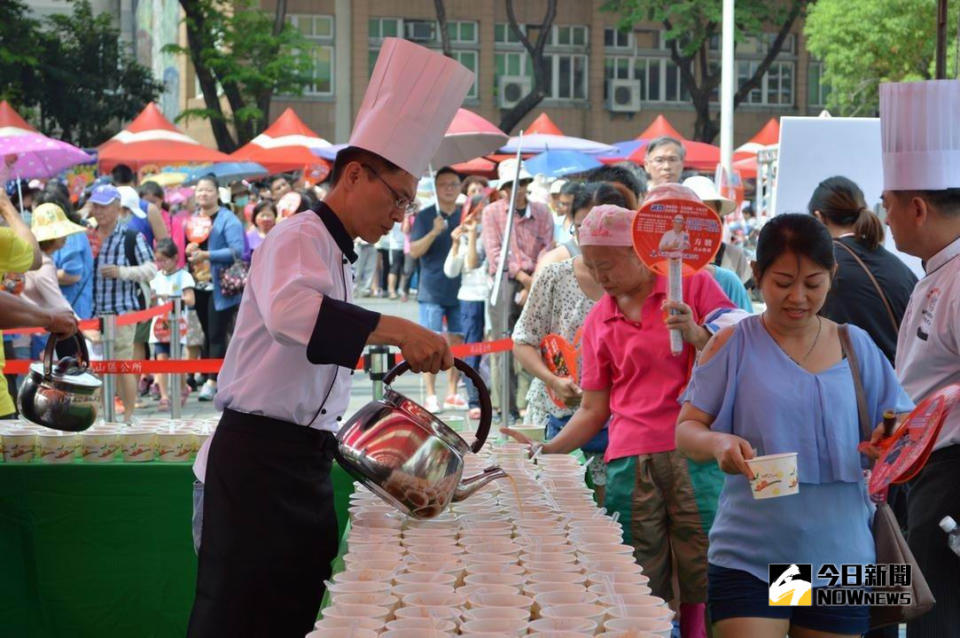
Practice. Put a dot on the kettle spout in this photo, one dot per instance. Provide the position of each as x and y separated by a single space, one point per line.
471 484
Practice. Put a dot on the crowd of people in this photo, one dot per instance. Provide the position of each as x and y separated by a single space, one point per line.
121 247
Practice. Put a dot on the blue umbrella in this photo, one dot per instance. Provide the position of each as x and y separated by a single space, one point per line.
624 149
226 172
329 152
559 163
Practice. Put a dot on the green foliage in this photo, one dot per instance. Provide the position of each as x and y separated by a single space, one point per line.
248 58
74 76
865 42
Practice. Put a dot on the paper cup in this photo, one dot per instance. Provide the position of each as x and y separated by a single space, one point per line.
345 624
433 624
501 628
99 445
549 625
175 447
584 611
774 475
497 613
654 626
18 446
54 447
532 432
138 445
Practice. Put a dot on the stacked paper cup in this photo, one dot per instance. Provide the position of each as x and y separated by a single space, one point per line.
532 556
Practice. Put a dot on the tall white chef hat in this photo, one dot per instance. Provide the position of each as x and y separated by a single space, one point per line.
411 99
920 129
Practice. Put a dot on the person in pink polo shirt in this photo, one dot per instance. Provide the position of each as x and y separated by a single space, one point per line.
630 377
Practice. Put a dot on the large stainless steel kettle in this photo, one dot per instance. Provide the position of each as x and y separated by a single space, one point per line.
408 456
65 396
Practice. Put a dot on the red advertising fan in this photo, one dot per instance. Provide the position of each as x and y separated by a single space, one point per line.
561 357
676 235
198 228
907 450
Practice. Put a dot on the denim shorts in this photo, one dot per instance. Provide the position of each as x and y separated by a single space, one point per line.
433 314
733 593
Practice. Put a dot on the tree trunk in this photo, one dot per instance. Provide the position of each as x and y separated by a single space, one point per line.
442 25
208 85
513 117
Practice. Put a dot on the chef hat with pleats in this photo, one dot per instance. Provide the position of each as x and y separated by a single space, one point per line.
920 133
412 97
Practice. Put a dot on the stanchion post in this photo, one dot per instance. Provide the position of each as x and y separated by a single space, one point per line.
377 362
108 332
175 380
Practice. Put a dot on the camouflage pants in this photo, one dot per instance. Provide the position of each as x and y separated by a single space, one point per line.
658 511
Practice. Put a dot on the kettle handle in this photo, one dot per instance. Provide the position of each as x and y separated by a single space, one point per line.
52 341
486 408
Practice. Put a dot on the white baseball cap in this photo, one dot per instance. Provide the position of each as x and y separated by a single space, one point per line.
507 170
130 200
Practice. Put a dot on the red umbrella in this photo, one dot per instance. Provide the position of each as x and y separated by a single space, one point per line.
286 145
699 155
543 124
151 139
478 166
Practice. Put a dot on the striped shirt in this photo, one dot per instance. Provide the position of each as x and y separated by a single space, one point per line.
532 234
116 296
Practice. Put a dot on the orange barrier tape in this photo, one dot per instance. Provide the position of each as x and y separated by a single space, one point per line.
94 324
189 366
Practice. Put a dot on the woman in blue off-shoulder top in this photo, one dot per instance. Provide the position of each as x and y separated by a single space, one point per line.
775 383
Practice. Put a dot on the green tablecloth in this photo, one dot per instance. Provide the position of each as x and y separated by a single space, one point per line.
101 550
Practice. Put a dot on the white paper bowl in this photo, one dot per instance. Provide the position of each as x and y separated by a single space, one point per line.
19 446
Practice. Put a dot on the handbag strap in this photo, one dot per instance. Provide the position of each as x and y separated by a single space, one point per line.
864 416
876 285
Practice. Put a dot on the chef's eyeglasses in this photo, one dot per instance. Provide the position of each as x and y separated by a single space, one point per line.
405 204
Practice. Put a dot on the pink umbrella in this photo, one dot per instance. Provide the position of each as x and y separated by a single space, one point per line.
29 154
468 137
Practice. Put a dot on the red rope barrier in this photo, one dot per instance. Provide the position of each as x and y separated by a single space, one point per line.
189 366
94 324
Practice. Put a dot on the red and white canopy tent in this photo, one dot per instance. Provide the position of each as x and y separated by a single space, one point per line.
699 155
11 123
287 145
151 139
543 125
745 157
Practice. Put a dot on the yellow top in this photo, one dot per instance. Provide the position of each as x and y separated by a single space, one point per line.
16 255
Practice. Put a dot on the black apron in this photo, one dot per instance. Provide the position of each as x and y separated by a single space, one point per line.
269 529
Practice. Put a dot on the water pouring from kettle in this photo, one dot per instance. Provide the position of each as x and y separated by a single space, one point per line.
408 456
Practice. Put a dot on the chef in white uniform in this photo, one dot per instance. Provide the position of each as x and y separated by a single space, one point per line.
269 531
920 124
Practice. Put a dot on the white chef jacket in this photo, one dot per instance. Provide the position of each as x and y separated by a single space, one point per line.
928 347
298 336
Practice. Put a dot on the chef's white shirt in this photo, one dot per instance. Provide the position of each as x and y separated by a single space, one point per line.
928 346
298 336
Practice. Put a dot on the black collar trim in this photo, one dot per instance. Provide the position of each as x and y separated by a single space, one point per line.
337 231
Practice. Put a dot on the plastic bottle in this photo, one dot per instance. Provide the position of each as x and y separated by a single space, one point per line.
949 525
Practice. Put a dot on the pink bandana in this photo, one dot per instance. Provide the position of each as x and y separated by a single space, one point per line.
607 225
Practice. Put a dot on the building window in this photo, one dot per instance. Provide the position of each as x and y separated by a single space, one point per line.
315 27
776 86
469 60
817 90
319 30
503 34
660 80
566 76
569 36
513 64
614 38
462 31
380 28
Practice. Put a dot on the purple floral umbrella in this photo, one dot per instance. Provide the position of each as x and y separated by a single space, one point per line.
32 155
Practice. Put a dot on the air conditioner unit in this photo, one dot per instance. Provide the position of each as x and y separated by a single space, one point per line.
419 30
513 88
623 96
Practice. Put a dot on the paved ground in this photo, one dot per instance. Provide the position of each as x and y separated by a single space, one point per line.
362 389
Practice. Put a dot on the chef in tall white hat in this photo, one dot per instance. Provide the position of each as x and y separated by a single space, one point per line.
920 128
264 512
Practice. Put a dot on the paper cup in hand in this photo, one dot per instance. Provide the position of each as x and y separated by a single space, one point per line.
774 475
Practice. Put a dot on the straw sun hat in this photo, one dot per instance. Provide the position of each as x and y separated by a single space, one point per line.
50 222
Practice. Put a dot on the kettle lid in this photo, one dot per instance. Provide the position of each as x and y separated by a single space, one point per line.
79 377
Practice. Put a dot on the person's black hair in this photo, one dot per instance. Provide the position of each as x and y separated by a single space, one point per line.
665 139
617 173
261 206
446 170
167 248
60 189
122 174
796 233
946 202
273 180
597 194
151 188
308 200
842 204
571 188
54 196
357 154
210 177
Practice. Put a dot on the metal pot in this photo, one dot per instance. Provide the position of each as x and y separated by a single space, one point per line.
408 456
65 396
